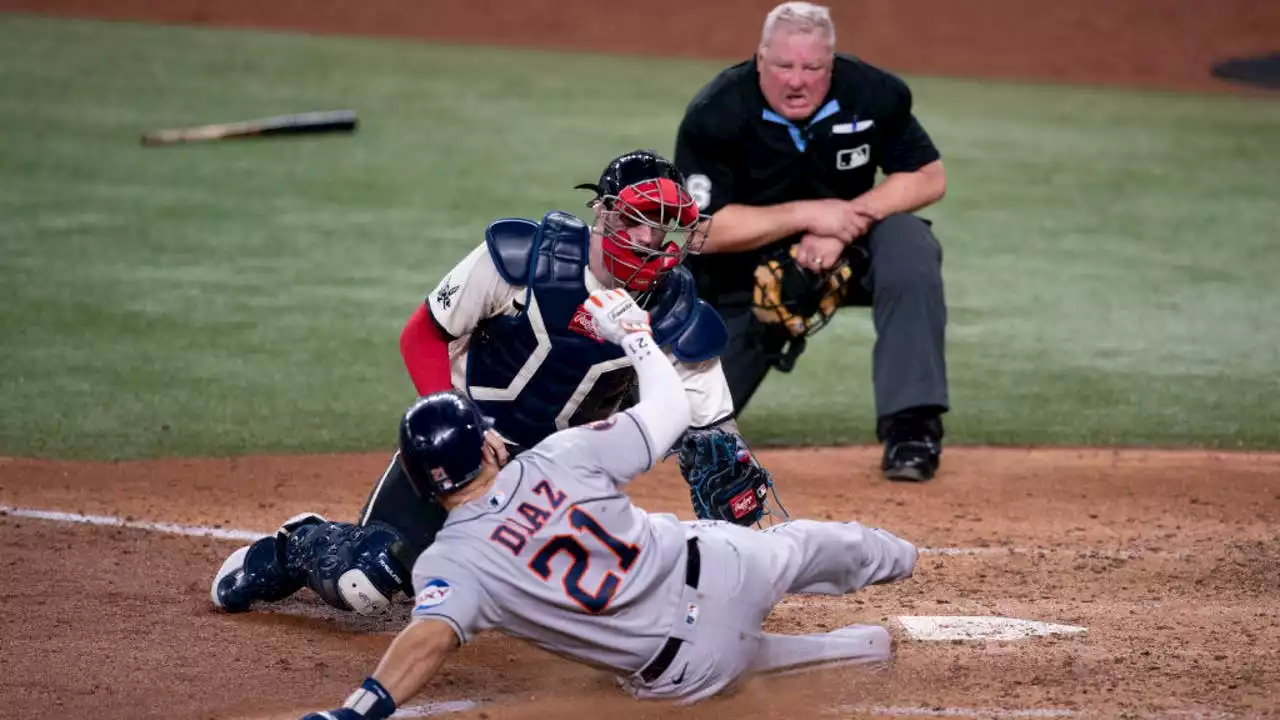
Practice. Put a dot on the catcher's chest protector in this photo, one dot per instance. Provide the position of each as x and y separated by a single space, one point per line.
546 368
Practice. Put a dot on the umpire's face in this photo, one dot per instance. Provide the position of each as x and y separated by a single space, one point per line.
795 71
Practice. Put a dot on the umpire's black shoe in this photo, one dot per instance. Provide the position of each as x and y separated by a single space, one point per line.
912 448
914 460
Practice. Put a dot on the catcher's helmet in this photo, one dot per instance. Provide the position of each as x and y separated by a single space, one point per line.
442 443
642 188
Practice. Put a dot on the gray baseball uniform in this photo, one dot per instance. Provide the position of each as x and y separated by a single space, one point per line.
556 554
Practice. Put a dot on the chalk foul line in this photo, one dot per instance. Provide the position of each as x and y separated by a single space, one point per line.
113 521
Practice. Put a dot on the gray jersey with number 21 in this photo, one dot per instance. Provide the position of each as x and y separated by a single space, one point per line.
556 554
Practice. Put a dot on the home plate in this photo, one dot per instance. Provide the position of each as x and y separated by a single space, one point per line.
976 627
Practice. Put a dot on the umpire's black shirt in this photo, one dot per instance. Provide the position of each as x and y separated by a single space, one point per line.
734 149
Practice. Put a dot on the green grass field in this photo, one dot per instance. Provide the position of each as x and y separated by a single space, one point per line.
1111 257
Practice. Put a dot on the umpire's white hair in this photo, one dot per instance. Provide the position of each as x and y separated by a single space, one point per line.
799 16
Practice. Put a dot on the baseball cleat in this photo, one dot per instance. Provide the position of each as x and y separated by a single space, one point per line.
912 444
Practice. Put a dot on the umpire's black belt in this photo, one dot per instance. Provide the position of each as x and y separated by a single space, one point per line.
692 569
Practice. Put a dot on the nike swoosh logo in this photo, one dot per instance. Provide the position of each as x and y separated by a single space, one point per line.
680 679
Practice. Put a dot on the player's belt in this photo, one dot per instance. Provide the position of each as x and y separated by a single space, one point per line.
692 569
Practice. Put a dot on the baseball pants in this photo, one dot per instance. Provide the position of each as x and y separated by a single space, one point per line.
393 501
745 573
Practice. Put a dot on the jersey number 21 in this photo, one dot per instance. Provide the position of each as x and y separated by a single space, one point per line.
596 602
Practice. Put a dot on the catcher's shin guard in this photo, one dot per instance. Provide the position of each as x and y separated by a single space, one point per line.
350 567
258 572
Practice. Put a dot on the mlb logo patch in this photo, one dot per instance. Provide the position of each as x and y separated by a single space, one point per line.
584 325
436 591
853 157
691 614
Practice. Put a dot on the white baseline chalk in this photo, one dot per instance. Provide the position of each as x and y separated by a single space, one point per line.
113 521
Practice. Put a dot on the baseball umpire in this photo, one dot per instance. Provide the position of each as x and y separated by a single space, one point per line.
549 549
782 150
507 326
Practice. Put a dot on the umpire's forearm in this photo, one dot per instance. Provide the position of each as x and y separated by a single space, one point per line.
742 228
904 192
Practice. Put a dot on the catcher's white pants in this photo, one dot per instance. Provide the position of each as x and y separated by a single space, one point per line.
745 573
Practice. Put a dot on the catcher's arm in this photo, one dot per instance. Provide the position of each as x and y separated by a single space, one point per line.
706 389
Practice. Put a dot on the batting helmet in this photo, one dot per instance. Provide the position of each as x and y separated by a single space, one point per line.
641 188
442 443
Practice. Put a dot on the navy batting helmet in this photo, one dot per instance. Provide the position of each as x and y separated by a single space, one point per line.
442 443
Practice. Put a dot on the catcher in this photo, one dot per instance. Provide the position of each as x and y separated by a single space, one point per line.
507 326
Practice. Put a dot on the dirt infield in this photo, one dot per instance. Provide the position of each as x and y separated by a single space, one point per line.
1171 560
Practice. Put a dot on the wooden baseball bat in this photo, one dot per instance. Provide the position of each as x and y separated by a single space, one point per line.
324 121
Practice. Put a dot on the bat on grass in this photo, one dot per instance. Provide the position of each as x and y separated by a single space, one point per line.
325 121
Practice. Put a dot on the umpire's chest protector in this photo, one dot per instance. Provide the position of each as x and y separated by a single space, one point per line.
546 368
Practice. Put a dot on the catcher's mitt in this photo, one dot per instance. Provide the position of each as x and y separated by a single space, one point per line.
725 481
800 300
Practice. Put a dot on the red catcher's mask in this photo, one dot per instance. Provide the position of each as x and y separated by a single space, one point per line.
637 229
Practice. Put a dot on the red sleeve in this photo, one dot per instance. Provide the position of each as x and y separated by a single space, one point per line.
425 349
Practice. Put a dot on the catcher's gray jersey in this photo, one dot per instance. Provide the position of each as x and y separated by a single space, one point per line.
555 552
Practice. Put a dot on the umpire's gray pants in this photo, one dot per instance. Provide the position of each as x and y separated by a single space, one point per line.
903 286
745 573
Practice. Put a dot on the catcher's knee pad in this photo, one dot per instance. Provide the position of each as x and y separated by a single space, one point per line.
350 567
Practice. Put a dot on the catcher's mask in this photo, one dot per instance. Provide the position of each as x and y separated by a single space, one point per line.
799 300
648 222
442 443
